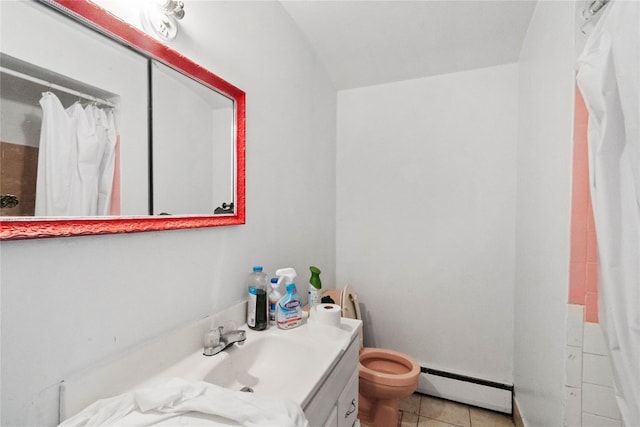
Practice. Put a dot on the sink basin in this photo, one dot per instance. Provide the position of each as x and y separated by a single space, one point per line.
284 363
263 365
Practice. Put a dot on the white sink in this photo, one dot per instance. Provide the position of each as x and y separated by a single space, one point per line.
290 364
276 362
263 364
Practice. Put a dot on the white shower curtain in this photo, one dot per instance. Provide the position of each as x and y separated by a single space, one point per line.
609 79
55 159
75 160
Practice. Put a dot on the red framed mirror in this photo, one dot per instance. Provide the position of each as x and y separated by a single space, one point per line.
93 16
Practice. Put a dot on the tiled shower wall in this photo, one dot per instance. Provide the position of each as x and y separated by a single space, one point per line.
589 395
583 289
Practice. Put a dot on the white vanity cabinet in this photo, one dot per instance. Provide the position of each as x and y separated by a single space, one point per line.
321 374
335 403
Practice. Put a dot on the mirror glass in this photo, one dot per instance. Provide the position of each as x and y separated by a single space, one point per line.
194 178
114 134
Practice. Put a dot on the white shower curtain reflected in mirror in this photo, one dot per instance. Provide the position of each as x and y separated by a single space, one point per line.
609 79
76 159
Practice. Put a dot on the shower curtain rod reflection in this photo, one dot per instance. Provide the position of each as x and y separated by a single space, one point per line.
50 85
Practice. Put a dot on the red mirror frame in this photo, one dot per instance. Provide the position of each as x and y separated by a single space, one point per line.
15 228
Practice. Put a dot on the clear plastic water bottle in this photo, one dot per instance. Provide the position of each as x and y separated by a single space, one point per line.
257 311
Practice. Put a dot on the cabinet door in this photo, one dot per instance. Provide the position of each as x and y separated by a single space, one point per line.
323 401
332 420
348 403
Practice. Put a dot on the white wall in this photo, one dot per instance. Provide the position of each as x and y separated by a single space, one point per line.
543 212
13 120
426 216
70 302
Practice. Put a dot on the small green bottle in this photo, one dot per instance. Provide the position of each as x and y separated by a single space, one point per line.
315 288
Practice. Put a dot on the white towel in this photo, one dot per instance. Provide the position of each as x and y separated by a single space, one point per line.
176 401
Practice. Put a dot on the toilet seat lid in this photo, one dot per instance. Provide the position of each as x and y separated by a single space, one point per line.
349 303
351 307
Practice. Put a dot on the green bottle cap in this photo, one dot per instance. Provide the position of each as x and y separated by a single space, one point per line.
315 277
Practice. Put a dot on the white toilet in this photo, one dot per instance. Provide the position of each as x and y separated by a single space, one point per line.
385 375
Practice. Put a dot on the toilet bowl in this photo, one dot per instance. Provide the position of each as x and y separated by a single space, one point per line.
385 375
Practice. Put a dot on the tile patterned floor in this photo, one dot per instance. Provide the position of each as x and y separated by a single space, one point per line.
425 411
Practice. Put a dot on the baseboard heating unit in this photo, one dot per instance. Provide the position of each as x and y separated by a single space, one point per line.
468 390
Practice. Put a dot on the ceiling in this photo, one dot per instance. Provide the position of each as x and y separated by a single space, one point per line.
370 42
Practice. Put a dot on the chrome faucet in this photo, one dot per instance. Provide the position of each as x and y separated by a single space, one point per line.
216 340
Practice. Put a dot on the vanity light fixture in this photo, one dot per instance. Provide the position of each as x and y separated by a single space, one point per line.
160 18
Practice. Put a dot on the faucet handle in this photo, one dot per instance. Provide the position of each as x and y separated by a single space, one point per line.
211 340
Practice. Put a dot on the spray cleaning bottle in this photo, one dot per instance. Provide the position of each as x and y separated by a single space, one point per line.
315 287
274 296
289 309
